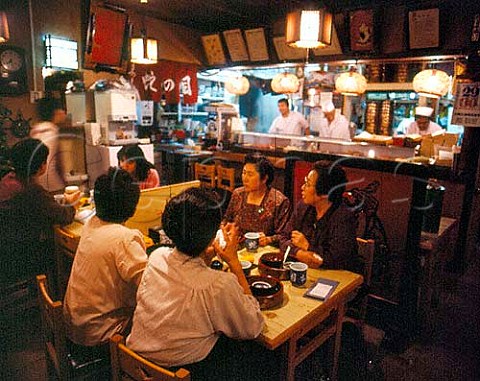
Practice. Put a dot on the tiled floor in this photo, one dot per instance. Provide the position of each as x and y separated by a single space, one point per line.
451 352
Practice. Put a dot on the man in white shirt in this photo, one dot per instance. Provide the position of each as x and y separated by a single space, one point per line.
423 125
289 122
334 126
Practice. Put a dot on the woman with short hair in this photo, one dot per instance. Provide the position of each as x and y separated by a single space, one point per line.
322 230
257 206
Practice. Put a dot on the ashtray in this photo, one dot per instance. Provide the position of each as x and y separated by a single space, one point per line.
267 290
272 264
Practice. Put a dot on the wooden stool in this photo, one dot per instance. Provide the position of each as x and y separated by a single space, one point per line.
205 174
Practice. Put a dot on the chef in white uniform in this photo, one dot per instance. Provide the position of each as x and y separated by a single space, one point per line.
422 124
289 122
334 125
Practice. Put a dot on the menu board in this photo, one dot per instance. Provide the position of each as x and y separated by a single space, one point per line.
213 49
466 110
257 46
286 52
423 28
236 45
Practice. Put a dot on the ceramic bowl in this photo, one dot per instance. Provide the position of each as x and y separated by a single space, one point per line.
267 290
272 264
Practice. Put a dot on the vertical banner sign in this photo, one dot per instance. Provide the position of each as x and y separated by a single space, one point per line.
466 111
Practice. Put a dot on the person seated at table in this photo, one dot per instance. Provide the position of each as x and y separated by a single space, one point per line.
322 230
257 206
186 312
132 159
108 265
28 213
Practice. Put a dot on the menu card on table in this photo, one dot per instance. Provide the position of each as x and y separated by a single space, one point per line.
321 289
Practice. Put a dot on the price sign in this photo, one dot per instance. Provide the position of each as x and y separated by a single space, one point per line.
466 111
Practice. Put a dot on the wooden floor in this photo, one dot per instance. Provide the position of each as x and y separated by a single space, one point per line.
450 353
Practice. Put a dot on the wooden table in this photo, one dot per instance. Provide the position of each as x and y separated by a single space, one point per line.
294 322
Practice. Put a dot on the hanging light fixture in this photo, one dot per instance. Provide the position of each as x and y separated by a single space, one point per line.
143 50
238 85
351 83
4 32
309 29
431 83
285 83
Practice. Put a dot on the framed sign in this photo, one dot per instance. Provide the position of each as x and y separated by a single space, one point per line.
257 46
331 50
213 49
286 52
361 30
236 45
423 28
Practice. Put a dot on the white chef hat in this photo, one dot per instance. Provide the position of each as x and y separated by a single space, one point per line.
423 111
328 106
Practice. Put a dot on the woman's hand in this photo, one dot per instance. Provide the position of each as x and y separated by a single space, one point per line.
72 198
231 236
313 260
264 240
299 240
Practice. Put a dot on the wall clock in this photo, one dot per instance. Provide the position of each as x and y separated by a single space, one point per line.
13 70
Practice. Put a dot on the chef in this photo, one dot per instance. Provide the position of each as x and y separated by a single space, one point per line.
288 122
422 124
333 125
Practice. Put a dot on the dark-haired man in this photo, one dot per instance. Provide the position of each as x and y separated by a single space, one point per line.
288 122
185 310
108 264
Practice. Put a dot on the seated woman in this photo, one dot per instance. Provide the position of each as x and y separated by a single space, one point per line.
185 310
108 265
132 160
322 230
257 207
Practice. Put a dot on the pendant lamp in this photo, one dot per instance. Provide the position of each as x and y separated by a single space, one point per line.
351 83
143 50
4 32
238 85
309 29
285 83
431 83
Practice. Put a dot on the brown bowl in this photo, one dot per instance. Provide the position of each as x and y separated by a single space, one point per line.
272 264
267 290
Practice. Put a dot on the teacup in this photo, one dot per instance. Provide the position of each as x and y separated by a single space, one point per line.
298 273
246 267
251 241
59 198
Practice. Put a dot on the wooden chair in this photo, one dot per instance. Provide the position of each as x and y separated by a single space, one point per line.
128 365
225 178
205 174
61 364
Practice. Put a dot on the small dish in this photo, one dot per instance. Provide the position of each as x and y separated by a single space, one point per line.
267 290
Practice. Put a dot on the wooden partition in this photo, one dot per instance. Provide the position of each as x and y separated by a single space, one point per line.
152 203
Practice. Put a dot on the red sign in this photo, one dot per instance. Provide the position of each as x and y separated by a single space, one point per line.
166 79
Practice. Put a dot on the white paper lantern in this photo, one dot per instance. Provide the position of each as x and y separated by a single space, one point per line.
144 50
309 29
237 85
351 83
285 83
431 83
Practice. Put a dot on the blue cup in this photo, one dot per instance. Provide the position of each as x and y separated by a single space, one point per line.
251 241
298 273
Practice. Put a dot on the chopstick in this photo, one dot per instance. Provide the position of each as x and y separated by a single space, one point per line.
286 254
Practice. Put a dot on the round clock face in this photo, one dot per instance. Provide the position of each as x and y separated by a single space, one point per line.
11 60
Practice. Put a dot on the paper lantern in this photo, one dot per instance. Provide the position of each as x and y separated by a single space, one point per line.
351 83
285 83
431 83
237 85
309 29
144 50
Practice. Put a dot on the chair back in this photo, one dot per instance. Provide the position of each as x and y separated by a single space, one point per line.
366 251
128 365
205 174
226 178
53 329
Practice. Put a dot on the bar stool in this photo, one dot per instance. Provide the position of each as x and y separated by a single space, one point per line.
206 175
